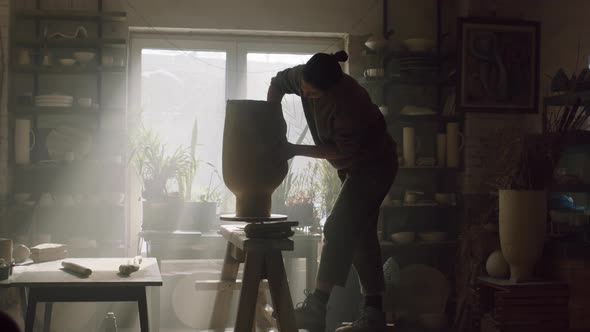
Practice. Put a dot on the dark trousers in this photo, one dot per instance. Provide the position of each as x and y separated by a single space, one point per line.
350 230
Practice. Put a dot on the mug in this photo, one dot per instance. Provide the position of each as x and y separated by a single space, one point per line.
46 200
24 57
411 144
445 198
6 250
412 196
24 141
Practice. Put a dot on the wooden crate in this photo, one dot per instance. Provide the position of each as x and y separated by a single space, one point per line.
512 306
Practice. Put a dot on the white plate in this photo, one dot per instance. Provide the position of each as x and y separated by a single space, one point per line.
65 139
415 110
53 104
45 97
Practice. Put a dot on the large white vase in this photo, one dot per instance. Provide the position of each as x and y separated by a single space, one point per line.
523 217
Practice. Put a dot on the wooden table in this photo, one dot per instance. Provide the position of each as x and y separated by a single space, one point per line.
46 282
262 260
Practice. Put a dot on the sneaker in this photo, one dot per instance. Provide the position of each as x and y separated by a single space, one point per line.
370 320
311 313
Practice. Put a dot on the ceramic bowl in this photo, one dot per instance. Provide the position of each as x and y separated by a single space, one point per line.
85 102
22 197
384 110
419 44
84 57
403 237
432 236
433 321
67 61
376 43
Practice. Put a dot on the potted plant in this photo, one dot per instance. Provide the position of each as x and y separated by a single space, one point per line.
164 177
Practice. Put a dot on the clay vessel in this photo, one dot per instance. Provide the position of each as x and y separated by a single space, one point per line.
253 135
523 218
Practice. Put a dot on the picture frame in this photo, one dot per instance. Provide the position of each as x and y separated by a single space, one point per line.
498 65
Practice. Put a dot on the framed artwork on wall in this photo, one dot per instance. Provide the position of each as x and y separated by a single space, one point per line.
498 65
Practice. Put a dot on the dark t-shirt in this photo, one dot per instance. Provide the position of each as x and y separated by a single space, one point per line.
344 117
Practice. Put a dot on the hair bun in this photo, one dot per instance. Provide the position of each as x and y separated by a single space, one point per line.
340 56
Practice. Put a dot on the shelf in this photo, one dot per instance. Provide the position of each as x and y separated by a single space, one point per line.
430 168
74 43
74 110
426 118
573 188
418 81
568 99
55 165
33 110
67 70
418 244
71 15
402 207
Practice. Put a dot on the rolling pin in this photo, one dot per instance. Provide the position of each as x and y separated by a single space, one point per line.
77 269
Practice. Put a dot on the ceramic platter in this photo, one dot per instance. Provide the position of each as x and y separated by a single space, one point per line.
423 289
65 139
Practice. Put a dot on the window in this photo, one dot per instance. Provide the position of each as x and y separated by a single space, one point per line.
181 80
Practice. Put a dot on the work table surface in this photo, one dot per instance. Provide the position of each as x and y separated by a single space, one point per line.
104 273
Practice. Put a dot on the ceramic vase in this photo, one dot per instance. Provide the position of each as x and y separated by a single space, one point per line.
253 136
523 217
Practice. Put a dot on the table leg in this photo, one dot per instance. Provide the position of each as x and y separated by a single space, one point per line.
253 271
155 308
47 318
229 272
143 311
23 301
31 308
279 291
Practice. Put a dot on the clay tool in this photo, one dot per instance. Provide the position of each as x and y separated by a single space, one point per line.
131 266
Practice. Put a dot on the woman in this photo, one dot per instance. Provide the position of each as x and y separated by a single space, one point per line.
350 132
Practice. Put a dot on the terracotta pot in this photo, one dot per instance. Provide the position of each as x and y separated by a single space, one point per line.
523 217
254 134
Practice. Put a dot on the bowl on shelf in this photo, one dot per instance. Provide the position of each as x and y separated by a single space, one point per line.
67 61
432 236
384 109
419 44
403 237
376 43
84 57
374 73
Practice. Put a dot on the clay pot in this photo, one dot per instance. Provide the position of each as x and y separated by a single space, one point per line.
523 217
253 136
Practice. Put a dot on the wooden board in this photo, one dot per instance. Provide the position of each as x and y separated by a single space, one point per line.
237 236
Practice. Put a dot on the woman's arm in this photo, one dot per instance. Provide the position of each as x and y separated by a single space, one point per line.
274 94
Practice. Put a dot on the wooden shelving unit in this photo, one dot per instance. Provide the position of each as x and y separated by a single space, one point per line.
89 175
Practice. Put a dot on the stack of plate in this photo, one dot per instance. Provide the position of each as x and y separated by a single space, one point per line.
54 100
417 63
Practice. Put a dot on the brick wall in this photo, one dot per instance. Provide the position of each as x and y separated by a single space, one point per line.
4 26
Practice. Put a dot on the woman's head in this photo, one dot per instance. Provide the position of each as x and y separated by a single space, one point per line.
322 72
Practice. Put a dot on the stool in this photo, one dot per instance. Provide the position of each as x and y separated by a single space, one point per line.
262 259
